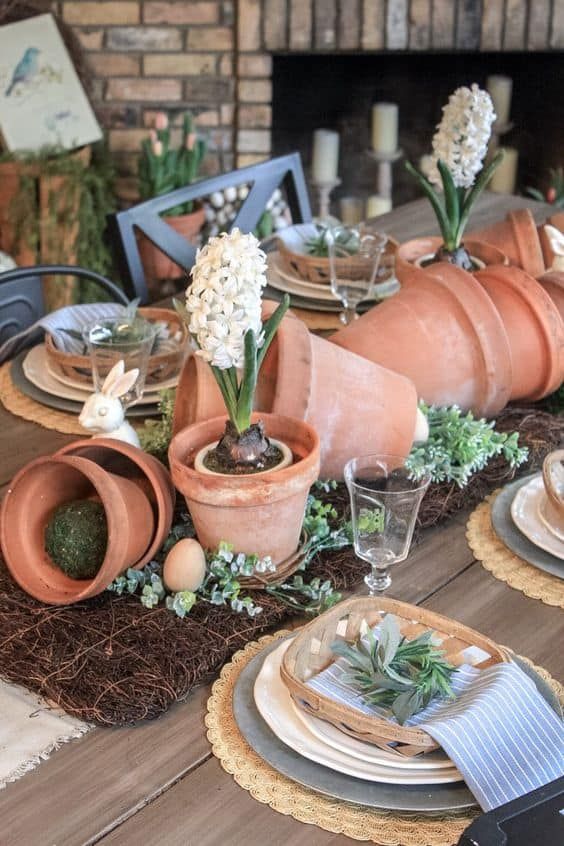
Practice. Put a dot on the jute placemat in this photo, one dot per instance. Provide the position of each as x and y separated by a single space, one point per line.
27 408
287 797
504 564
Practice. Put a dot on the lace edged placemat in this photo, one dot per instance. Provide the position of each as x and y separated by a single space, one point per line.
387 828
504 564
20 405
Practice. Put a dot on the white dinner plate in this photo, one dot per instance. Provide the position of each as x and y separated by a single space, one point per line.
331 736
36 370
275 705
525 514
544 517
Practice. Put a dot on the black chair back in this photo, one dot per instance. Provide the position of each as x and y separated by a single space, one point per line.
21 294
145 217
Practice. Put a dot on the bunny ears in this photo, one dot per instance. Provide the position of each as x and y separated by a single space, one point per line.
117 382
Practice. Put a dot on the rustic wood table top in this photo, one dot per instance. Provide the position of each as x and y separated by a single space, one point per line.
157 782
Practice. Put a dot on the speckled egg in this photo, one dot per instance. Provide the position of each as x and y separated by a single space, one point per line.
185 566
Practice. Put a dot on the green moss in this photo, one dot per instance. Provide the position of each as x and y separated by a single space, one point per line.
76 537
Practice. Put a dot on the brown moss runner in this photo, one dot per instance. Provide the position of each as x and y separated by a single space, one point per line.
111 661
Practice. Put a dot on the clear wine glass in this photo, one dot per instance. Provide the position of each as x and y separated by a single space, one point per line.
384 504
354 258
110 339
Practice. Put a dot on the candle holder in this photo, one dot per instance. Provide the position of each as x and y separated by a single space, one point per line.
498 131
385 161
324 190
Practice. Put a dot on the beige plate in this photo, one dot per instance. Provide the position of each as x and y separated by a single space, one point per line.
525 514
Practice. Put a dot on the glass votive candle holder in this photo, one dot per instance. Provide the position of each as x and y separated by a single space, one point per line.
118 339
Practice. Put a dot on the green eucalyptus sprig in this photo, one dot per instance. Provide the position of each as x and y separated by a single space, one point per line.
392 672
459 446
313 597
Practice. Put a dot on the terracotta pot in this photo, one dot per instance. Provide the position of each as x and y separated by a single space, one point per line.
155 263
518 238
534 328
410 252
36 491
443 332
553 284
261 514
356 406
144 470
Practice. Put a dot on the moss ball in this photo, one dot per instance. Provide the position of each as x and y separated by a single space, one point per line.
76 538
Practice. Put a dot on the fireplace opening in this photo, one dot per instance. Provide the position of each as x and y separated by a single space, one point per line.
337 92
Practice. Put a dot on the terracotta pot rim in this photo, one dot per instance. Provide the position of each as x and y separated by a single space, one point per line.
152 469
241 490
532 292
487 327
116 517
474 246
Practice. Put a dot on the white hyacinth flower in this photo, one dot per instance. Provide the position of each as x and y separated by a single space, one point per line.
224 300
462 136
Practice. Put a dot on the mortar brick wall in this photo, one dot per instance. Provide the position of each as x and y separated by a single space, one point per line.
214 57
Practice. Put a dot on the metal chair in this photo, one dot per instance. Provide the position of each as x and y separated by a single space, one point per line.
263 178
21 294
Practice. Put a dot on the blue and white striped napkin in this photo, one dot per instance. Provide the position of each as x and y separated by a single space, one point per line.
502 735
69 317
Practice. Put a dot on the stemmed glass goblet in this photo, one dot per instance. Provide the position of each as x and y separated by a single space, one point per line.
385 501
354 259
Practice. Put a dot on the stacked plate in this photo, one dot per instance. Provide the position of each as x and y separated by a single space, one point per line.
33 373
520 519
315 296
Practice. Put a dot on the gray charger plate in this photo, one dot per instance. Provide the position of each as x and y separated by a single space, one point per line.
314 305
21 381
431 799
514 539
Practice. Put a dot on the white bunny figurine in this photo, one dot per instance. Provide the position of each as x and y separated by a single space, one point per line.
103 412
556 241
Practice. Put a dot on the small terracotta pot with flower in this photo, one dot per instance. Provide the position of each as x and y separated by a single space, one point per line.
455 178
162 169
245 477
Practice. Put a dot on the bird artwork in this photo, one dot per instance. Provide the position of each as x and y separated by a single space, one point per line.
25 70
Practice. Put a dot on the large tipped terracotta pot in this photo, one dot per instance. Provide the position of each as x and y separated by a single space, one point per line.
410 254
34 494
518 238
356 406
144 470
260 514
534 328
443 332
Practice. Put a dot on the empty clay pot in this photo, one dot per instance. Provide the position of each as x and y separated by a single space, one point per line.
534 329
144 470
156 264
411 252
356 406
257 514
518 238
36 491
443 332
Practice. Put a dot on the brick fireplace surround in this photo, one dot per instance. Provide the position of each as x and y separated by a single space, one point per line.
214 57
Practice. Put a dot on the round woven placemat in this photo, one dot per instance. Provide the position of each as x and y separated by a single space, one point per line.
22 406
287 797
504 564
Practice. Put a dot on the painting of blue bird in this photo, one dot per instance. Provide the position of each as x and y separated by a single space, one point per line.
25 70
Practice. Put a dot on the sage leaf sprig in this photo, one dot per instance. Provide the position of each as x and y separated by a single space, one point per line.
392 672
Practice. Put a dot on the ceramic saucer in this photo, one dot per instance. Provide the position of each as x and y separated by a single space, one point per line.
525 514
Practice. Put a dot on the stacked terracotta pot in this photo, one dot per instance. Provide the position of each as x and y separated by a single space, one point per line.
356 405
135 490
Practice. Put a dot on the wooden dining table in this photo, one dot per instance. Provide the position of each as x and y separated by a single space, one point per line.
158 782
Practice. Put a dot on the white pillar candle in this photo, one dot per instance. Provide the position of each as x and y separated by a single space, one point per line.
385 128
499 88
351 210
505 175
377 205
325 156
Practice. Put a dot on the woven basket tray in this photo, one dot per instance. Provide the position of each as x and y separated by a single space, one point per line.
162 366
310 653
316 268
